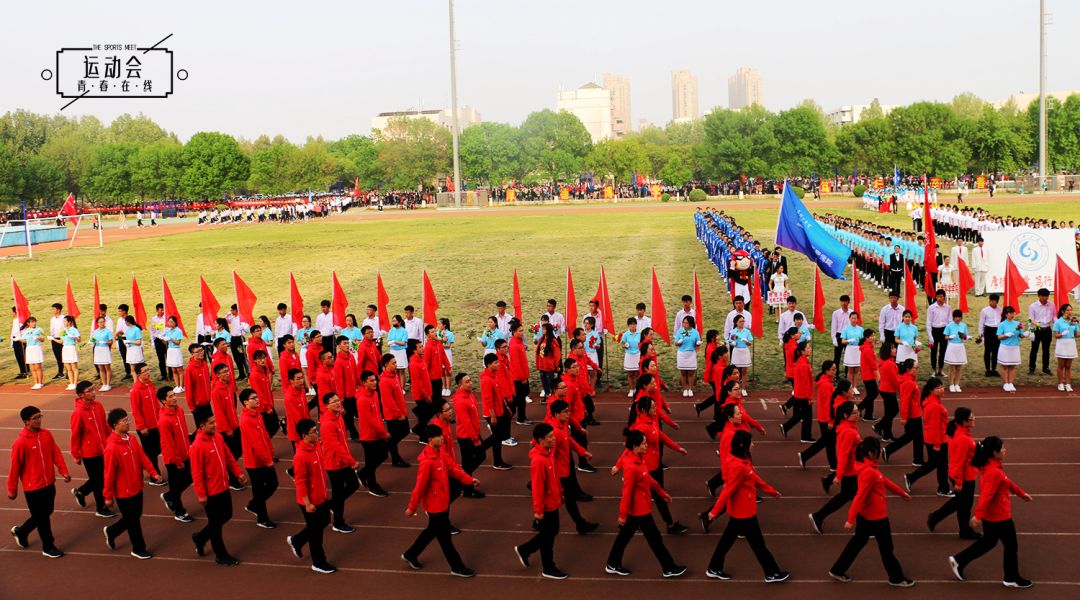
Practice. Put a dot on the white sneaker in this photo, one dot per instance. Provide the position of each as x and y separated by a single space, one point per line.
630 394
36 386
105 388
952 388
856 391
311 391
958 390
1061 387
745 393
70 386
1068 388
1006 387
528 400
543 394
689 393
178 390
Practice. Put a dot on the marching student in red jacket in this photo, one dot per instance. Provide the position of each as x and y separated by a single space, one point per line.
288 359
175 444
296 403
256 343
577 352
889 387
212 467
313 356
935 420
644 419
258 455
495 411
869 517
845 425
125 462
144 408
35 459
739 500
802 391
420 391
310 480
731 393
197 381
910 416
223 401
222 356
635 509
325 379
261 380
994 511
432 492
826 396
962 473
338 461
546 499
519 370
394 413
548 358
731 415
437 365
467 431
373 435
89 433
345 384
868 368
559 419
367 352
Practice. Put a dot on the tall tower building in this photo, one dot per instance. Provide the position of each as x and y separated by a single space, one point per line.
619 87
744 89
592 105
684 96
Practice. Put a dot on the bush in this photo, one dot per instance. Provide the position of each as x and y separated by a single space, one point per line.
859 190
799 192
698 195
665 197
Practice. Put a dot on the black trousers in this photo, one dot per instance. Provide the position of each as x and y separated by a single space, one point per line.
661 506
544 540
179 480
58 351
912 434
472 456
1042 339
521 390
271 422
343 484
583 441
236 345
438 528
130 521
160 347
866 405
424 412
218 513
838 351
991 343
826 441
865 529
436 389
590 407
123 359
151 444
751 530
800 414
994 532
351 415
500 430
652 536
398 430
95 480
960 504
849 485
936 460
375 454
571 492
232 442
312 534
41 503
937 353
892 408
264 483
19 349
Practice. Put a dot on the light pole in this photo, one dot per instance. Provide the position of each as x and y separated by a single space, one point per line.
1042 95
454 110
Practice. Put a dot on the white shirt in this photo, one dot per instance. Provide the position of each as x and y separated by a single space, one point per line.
56 325
108 323
989 317
599 317
236 326
889 318
840 319
16 325
201 328
729 322
978 259
503 323
283 326
324 322
938 315
414 327
787 320
558 323
682 314
643 322
157 327
957 253
373 323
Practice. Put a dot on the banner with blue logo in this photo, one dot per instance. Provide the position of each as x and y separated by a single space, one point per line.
797 230
1033 251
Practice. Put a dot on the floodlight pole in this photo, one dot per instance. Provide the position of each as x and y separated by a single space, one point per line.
454 110
1042 95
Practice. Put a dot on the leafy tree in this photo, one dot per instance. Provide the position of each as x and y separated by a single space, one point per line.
678 169
738 142
213 166
865 146
999 141
24 132
968 106
554 145
928 138
685 133
874 111
804 147
273 166
140 129
361 154
9 176
491 153
41 179
70 146
1062 133
617 158
156 170
412 152
108 177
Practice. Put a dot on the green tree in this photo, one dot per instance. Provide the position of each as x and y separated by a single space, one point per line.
70 146
874 111
678 168
999 141
140 129
684 133
156 170
490 153
617 158
1062 133
412 152
213 165
274 166
803 145
9 176
968 106
25 132
554 145
738 142
928 138
41 179
108 177
361 154
865 146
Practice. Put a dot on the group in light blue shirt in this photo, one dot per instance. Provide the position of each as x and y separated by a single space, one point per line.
1009 329
741 338
687 340
70 335
853 334
906 332
632 339
33 336
101 337
489 337
302 336
954 330
353 333
174 336
398 338
1066 328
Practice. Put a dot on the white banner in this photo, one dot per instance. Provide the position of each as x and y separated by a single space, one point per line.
1033 251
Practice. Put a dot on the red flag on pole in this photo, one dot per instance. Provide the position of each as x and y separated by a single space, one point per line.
137 303
69 207
911 293
571 302
930 250
1015 284
97 301
297 302
245 299
431 304
967 281
170 306
857 295
516 300
382 299
1065 281
659 313
757 311
819 302
210 304
338 302
605 303
699 317
22 307
69 297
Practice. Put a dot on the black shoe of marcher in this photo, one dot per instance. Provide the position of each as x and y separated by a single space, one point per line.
297 551
20 540
677 528
378 492
675 571
522 556
454 530
52 552
1019 582
227 561
142 554
585 467
109 541
587 527
721 575
343 528
463 572
323 567
415 564
105 514
200 548
705 522
266 524
816 523
827 481
80 498
554 574
613 570
930 523
777 577
401 464
841 577
904 583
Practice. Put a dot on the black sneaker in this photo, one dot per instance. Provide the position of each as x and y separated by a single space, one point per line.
266 524
904 583
841 577
946 494
1019 582
80 499
610 570
522 557
463 572
109 541
677 528
806 441
401 464
815 523
200 548
675 571
20 541
885 455
930 523
343 528
105 514
236 486
721 575
52 552
323 567
503 467
454 530
227 561
168 505
585 467
297 551
705 522
525 422
957 570
184 518
378 492
783 432
415 564
554 574
802 463
142 554
777 577
587 528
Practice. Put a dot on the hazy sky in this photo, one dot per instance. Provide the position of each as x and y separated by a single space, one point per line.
326 67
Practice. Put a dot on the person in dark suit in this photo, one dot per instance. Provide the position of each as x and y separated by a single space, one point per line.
896 269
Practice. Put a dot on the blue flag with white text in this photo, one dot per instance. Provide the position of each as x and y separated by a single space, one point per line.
797 230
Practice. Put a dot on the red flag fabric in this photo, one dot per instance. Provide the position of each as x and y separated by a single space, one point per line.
382 301
605 303
1065 281
857 295
72 307
356 188
22 307
930 250
967 281
171 309
911 293
819 302
137 303
431 304
449 184
757 311
338 302
97 301
245 300
659 313
699 316
210 304
1015 284
571 301
928 285
297 302
516 300
69 207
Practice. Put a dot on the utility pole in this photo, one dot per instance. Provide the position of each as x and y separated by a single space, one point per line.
454 109
1042 95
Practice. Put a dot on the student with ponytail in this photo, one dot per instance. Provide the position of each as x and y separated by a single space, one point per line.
718 369
962 474
826 397
889 386
800 395
732 417
935 418
845 424
910 416
868 367
647 422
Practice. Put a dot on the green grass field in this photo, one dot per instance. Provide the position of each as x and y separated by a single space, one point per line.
470 257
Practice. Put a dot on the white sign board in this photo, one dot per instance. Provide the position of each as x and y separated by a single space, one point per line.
1033 251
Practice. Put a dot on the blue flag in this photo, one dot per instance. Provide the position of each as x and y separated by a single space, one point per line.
797 230
895 176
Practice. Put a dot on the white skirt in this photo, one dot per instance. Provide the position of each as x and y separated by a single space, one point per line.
740 357
852 358
69 355
102 355
686 360
134 355
1065 348
955 354
34 355
904 352
630 362
174 358
449 356
402 358
593 357
1008 356
303 357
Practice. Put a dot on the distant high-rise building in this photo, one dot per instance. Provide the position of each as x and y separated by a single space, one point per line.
643 124
619 87
744 89
592 105
684 95
467 117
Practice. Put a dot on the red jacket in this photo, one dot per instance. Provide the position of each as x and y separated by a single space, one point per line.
254 344
223 401
868 362
748 422
223 358
144 405
435 359
935 419
197 384
35 458
335 445
548 362
519 360
312 355
420 379
344 376
432 490
573 398
89 431
287 361
371 421
172 427
647 425
910 408
718 373
847 438
961 451
125 462
869 502
325 382
490 395
448 438
468 418
296 408
260 381
725 444
506 383
392 396
563 445
584 362
369 359
890 376
309 475
824 400
804 379
789 352
637 487
741 483
258 451
707 374
546 489
994 489
211 465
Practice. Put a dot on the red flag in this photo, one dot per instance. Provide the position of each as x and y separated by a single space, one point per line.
966 283
170 306
338 303
819 302
1015 284
72 308
449 184
659 313
698 313
97 302
517 298
245 299
296 301
605 303
911 293
356 188
1065 281
431 304
382 300
137 303
757 311
69 207
210 304
928 285
22 307
571 301
857 295
930 250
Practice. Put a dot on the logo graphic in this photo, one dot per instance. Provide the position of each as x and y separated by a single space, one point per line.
1030 251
